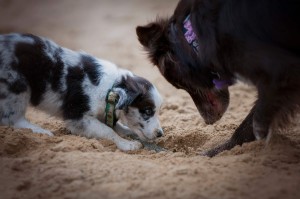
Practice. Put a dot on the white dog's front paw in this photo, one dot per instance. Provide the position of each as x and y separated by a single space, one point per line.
42 131
124 130
129 145
127 131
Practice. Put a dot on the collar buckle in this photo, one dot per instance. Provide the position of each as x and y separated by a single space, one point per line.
112 97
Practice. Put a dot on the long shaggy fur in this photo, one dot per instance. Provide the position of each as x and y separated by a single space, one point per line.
253 41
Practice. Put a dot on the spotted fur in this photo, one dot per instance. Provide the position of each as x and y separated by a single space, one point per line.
73 86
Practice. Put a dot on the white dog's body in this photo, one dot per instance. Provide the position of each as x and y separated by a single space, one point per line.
74 87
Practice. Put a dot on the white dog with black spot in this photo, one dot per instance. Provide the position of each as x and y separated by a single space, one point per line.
94 97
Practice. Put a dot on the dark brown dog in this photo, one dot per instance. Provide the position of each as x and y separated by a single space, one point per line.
207 44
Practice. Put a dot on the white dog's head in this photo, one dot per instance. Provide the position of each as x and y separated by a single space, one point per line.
138 106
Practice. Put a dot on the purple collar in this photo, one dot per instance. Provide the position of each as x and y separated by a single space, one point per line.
190 35
192 39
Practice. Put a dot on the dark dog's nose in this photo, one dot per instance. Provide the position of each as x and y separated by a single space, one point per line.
159 133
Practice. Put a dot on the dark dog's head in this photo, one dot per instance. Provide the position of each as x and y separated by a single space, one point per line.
181 66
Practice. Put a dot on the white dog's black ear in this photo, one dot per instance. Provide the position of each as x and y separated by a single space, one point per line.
129 88
126 97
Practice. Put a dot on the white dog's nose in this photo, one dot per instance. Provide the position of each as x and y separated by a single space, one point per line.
159 132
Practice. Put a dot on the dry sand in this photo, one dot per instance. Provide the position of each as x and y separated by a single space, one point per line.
68 166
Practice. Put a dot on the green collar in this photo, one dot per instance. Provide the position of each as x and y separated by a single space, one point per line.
110 112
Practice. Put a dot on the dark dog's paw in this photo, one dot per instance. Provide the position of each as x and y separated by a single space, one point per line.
220 148
243 134
210 153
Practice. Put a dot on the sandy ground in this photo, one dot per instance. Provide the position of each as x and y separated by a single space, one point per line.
68 166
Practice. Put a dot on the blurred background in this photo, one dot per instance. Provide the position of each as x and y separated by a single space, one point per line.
104 28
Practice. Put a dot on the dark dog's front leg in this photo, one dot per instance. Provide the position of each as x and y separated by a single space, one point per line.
243 134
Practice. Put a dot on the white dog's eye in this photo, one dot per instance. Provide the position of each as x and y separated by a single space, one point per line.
147 111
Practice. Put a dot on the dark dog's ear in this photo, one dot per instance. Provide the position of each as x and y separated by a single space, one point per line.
148 33
126 97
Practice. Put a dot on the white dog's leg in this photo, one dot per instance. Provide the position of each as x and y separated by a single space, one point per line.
23 123
122 129
91 127
13 108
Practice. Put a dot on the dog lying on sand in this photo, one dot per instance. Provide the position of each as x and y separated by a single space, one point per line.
90 94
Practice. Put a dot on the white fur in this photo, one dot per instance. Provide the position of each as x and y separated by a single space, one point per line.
151 126
51 103
13 106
